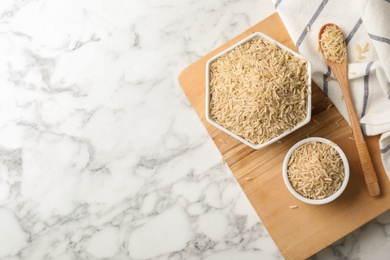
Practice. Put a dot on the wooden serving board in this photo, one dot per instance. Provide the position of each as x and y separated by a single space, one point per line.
305 230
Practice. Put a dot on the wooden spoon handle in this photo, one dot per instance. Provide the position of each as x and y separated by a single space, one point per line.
368 169
364 155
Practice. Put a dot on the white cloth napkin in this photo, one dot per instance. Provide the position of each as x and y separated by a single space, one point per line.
362 22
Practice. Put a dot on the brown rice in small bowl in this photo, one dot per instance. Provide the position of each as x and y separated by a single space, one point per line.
316 170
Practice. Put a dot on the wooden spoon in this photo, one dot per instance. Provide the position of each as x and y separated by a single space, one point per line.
340 70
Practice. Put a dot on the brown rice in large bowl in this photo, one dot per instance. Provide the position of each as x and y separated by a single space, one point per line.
258 91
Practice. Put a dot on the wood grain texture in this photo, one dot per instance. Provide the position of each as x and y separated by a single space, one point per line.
305 230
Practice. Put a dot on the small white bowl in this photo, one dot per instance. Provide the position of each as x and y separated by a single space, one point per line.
211 121
334 195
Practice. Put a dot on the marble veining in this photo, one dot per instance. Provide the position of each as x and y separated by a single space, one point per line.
101 154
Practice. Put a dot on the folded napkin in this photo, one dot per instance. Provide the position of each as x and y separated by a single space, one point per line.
365 25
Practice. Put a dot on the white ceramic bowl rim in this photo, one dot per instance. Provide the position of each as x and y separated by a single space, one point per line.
346 171
211 121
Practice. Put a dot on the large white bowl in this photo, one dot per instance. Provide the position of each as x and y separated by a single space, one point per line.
211 121
331 197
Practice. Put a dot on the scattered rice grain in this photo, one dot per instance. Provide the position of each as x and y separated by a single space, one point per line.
361 50
222 141
365 48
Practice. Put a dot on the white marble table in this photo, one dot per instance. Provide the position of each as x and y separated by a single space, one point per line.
101 154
